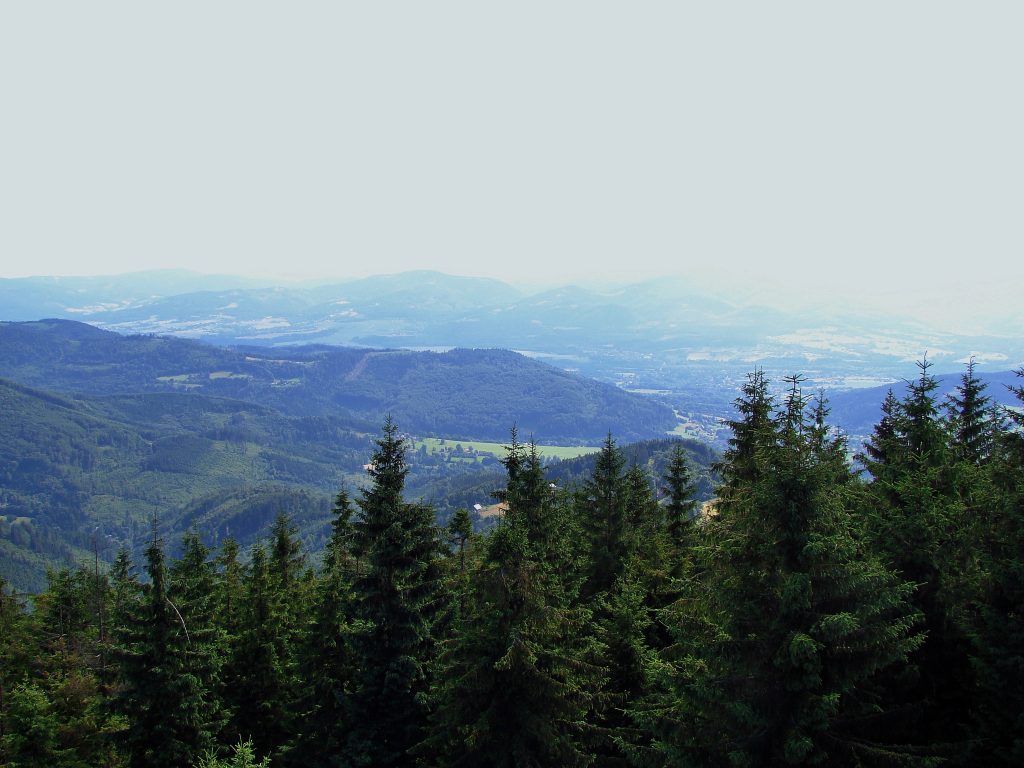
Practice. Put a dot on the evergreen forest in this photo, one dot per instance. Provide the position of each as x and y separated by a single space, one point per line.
824 609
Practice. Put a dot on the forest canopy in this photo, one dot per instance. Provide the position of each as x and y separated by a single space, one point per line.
820 610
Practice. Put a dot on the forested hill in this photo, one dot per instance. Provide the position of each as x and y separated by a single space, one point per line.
144 430
82 471
468 393
815 616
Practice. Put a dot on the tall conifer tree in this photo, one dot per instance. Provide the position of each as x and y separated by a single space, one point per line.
973 420
682 505
328 664
999 626
921 528
259 676
192 591
603 503
167 706
519 679
395 600
795 620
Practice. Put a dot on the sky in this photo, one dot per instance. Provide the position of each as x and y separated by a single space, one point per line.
856 153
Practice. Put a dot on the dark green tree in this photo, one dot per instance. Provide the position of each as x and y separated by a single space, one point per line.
973 420
999 625
31 738
460 529
287 560
520 678
642 510
229 589
749 431
922 529
229 600
883 449
790 623
166 705
327 659
192 593
18 648
125 592
70 660
681 508
395 601
258 675
603 506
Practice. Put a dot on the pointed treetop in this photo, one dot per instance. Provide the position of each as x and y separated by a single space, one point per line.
973 420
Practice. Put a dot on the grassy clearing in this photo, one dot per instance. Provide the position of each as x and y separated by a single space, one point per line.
228 375
435 444
688 429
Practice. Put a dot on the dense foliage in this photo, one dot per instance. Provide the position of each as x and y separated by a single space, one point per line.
816 612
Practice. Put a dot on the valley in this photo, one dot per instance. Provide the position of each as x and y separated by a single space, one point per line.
136 434
216 409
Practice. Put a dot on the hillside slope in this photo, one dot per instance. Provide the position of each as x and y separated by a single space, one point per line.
461 393
858 410
77 473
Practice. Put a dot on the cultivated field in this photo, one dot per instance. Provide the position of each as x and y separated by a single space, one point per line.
471 448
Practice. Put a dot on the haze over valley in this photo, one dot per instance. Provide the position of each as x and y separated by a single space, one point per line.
664 338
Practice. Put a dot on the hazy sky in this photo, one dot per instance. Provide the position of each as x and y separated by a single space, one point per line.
825 147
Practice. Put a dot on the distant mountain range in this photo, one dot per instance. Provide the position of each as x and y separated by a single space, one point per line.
584 328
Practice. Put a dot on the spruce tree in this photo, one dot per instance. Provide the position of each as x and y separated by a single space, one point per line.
790 624
624 628
625 619
70 659
166 705
32 729
258 678
328 663
999 625
287 562
192 591
460 529
923 434
603 502
682 506
65 616
922 529
18 647
125 591
395 600
229 590
293 593
642 510
653 557
973 420
520 677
